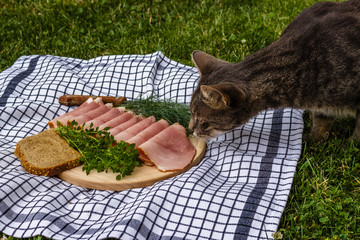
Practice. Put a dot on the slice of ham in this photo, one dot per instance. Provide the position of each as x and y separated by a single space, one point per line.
148 133
93 114
135 129
87 106
117 120
123 126
170 150
110 115
145 135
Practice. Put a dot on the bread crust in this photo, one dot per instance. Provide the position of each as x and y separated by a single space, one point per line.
45 142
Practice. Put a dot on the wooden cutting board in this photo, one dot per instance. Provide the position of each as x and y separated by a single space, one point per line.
142 176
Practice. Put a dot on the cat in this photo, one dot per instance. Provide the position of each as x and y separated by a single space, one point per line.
314 65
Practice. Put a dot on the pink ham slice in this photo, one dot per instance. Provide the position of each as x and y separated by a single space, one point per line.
113 113
149 132
133 120
93 114
117 120
87 106
135 129
145 135
170 150
106 117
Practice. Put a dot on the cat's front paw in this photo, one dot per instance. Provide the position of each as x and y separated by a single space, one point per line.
355 137
321 126
319 136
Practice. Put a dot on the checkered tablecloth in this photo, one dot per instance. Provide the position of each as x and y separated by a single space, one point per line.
238 191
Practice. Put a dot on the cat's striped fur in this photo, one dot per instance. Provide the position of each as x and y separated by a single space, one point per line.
315 65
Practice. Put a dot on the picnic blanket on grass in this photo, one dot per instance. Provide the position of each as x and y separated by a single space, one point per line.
238 191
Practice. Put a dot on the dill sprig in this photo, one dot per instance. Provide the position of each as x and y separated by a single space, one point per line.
168 110
99 150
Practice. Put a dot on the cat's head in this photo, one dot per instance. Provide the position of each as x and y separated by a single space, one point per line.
220 102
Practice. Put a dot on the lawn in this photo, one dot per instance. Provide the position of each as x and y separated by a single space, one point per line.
324 202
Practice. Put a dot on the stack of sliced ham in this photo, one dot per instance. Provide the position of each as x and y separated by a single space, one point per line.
167 147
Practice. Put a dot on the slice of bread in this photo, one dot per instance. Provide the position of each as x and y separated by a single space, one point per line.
46 153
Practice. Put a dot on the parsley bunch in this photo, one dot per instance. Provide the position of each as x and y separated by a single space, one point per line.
99 150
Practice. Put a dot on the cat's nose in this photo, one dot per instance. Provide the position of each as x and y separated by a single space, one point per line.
191 125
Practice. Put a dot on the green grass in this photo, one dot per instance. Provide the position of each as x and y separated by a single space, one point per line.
324 202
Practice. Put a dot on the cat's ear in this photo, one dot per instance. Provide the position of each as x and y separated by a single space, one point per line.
205 63
214 97
222 95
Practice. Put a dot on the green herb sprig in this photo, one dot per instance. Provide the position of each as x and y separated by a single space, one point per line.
168 110
99 150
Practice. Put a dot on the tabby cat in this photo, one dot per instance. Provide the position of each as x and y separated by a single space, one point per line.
315 65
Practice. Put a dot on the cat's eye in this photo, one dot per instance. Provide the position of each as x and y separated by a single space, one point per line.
204 123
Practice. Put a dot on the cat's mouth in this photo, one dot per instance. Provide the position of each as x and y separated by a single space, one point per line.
212 134
199 135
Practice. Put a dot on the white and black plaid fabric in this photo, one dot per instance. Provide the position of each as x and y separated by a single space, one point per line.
238 191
